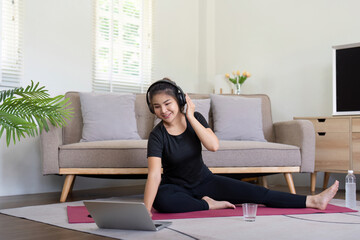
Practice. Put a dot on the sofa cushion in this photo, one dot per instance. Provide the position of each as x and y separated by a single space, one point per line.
237 118
108 116
201 105
132 154
104 154
252 154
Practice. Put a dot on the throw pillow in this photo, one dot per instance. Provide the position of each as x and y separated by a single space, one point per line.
237 118
108 116
201 105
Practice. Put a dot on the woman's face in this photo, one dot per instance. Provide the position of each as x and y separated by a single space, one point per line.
165 107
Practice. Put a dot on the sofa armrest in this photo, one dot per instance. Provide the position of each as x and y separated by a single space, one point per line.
49 144
299 133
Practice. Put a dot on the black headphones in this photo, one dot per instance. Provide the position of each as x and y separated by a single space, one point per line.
179 94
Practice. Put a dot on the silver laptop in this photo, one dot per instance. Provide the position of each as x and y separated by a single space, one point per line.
123 215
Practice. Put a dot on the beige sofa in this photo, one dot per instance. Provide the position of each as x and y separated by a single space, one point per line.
290 147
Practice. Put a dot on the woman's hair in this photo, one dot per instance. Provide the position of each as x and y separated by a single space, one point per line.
164 87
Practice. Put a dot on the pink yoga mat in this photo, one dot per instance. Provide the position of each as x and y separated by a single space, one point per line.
79 214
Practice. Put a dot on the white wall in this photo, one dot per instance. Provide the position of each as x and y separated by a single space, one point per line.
176 26
285 44
58 44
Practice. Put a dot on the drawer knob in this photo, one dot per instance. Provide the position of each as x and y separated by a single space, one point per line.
321 119
321 133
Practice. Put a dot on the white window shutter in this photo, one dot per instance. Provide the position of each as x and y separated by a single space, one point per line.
122 54
11 43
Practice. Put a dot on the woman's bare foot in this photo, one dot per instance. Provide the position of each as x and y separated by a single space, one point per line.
213 204
321 200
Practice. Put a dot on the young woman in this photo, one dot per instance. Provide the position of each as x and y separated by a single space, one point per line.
187 184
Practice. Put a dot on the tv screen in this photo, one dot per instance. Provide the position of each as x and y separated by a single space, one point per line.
346 80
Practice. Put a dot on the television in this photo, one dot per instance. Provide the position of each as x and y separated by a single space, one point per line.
346 79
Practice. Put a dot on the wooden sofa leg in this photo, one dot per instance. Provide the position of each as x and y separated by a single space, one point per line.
290 182
326 179
69 180
313 182
72 185
263 182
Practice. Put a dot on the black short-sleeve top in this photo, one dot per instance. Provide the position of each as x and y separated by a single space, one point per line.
180 155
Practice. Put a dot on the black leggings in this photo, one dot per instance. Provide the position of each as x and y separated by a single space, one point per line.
172 198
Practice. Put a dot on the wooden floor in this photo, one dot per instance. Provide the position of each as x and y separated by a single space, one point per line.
17 229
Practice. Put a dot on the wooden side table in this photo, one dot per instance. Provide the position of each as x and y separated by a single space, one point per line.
337 145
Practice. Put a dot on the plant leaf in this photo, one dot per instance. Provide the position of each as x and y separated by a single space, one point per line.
26 111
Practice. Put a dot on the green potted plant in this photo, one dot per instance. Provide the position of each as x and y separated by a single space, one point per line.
27 111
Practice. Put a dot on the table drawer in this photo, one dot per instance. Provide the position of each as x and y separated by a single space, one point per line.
331 124
356 125
332 150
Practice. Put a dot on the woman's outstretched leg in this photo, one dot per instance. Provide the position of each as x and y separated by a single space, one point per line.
221 188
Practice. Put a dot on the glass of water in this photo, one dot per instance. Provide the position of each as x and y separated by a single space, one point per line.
249 211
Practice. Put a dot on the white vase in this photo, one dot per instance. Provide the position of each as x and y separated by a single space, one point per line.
237 88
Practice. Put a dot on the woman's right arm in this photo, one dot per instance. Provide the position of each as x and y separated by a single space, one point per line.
153 181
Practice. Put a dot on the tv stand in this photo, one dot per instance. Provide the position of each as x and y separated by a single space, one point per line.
337 145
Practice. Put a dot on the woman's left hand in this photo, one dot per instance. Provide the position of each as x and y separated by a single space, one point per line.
206 135
190 108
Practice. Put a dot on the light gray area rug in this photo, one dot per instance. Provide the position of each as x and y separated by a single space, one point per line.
311 226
